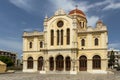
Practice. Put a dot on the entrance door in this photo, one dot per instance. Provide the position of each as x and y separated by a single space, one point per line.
96 62
67 63
83 63
51 63
59 63
40 63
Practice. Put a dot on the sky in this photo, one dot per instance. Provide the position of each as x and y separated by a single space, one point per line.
17 16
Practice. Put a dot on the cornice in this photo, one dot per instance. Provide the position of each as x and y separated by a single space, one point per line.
66 49
95 31
92 49
32 36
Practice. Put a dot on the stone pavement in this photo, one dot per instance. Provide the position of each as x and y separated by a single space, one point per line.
80 76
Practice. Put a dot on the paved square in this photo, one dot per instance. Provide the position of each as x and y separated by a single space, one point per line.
80 76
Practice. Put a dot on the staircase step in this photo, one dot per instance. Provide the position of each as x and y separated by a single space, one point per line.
58 72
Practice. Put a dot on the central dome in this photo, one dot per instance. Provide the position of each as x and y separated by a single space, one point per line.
77 12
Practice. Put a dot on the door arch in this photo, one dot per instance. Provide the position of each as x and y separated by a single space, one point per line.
30 63
96 62
51 63
83 63
59 63
40 63
67 63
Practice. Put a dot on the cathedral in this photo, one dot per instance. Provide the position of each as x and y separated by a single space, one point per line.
66 45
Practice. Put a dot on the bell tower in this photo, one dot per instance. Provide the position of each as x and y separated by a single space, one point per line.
80 17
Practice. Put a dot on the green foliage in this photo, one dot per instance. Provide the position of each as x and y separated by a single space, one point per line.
6 60
112 59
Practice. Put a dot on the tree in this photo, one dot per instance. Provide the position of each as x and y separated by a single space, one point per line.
111 61
6 60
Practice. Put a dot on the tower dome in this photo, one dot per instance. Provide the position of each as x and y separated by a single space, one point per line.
80 16
77 12
99 21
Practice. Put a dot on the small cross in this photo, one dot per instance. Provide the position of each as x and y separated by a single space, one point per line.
76 6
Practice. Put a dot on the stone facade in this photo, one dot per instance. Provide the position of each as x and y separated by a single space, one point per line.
67 44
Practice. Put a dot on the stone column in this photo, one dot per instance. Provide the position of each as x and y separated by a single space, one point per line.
73 71
77 65
71 65
64 65
25 46
46 65
24 65
35 44
35 67
43 67
54 65
89 39
89 65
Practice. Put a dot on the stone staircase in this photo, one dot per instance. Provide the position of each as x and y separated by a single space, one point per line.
58 72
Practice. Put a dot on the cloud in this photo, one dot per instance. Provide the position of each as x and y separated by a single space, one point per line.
114 45
28 29
23 4
112 6
28 5
86 7
69 5
83 5
92 20
97 4
106 4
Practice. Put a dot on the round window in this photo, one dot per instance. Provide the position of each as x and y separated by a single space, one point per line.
60 23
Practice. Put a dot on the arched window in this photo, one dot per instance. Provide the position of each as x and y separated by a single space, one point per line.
82 42
83 63
68 36
61 37
57 37
96 62
30 45
68 63
96 42
83 24
41 44
30 63
52 37
59 63
80 24
40 63
51 63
